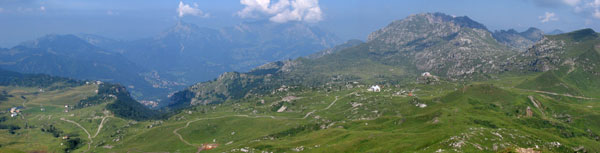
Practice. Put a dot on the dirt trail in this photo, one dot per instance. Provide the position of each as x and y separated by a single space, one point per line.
85 130
557 94
535 103
90 137
210 118
307 114
100 126
248 116
336 98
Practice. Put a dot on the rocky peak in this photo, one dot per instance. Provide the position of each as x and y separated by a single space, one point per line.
184 31
554 51
462 21
182 26
423 27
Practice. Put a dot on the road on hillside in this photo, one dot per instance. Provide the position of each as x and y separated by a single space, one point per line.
266 116
85 130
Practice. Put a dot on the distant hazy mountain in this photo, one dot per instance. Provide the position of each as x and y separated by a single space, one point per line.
187 53
555 32
71 56
519 40
103 42
347 44
67 55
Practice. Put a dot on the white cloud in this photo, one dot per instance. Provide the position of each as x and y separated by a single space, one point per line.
186 9
549 16
587 8
282 10
572 2
42 8
595 3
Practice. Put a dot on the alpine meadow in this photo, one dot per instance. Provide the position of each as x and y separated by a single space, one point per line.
270 76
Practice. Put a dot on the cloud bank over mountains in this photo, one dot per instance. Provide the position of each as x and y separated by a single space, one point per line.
186 9
283 10
589 8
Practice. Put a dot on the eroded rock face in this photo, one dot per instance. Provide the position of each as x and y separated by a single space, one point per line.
446 45
546 54
572 51
421 27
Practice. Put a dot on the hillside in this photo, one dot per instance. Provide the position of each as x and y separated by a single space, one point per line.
569 63
454 47
177 57
38 110
488 116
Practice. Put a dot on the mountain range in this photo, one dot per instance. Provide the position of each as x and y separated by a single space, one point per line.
185 53
430 82
457 48
179 56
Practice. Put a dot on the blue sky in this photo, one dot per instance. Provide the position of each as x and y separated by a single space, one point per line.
22 20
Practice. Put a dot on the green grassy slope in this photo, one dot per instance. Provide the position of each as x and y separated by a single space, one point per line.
481 117
550 106
576 69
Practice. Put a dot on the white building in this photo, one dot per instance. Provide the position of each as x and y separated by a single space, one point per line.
375 88
426 74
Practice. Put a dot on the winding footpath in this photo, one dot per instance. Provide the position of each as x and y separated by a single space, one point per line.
557 94
210 118
100 126
90 137
85 130
308 114
247 116
336 98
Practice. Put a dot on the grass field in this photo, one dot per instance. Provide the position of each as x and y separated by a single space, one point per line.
489 116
